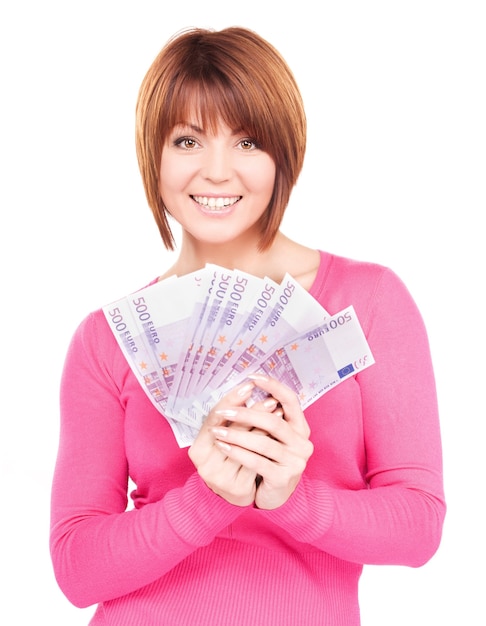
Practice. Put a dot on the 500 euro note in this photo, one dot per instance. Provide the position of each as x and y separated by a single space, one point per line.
150 326
312 363
183 355
227 319
282 311
289 311
277 329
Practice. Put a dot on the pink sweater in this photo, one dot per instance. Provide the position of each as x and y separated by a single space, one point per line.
371 493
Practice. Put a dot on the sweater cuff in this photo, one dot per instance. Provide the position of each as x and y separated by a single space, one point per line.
308 513
198 514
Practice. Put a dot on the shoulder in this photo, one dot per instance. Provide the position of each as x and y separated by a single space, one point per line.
366 285
338 268
94 327
338 275
93 342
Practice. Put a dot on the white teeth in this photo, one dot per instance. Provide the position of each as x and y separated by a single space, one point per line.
216 203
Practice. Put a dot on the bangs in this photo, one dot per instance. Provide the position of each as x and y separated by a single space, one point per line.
210 101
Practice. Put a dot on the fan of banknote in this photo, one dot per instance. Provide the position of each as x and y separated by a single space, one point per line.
190 339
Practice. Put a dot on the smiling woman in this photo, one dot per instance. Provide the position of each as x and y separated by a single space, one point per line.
270 514
219 175
231 77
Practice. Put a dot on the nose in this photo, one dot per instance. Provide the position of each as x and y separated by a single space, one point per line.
217 164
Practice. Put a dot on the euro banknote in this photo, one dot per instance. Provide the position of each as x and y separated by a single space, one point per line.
190 339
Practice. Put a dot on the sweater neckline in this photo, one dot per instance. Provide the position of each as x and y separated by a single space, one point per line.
319 279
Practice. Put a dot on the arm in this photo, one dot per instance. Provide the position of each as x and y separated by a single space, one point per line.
99 550
398 519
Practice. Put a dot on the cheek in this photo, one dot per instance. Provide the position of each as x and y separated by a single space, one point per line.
163 178
172 176
261 175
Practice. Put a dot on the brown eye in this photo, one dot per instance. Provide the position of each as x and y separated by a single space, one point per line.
247 144
188 143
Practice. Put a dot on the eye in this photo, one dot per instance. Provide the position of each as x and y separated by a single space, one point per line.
186 143
248 144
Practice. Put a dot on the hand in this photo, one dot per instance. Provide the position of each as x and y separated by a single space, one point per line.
226 476
273 445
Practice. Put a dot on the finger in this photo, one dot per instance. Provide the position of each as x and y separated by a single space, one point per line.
287 399
276 465
236 397
229 479
212 462
203 446
281 440
269 423
269 405
263 454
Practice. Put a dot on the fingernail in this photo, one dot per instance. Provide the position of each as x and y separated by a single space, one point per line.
243 391
270 403
219 432
226 412
223 445
261 377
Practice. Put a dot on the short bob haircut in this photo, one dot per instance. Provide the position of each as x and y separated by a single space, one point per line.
232 75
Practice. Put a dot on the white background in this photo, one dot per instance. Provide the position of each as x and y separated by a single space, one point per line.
394 173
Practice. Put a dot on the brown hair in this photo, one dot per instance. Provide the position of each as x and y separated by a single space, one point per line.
233 75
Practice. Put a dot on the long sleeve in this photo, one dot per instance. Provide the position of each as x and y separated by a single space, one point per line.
396 515
372 491
99 550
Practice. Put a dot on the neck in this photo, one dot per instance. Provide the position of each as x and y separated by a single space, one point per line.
194 255
284 255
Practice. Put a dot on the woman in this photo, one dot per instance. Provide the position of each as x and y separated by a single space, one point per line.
271 513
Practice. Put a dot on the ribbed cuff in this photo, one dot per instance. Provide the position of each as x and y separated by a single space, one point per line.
308 513
197 513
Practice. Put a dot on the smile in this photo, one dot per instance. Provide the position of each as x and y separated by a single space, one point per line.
215 204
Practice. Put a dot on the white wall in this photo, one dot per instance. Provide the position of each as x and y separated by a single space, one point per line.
395 171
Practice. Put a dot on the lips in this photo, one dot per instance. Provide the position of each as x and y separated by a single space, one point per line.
216 203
